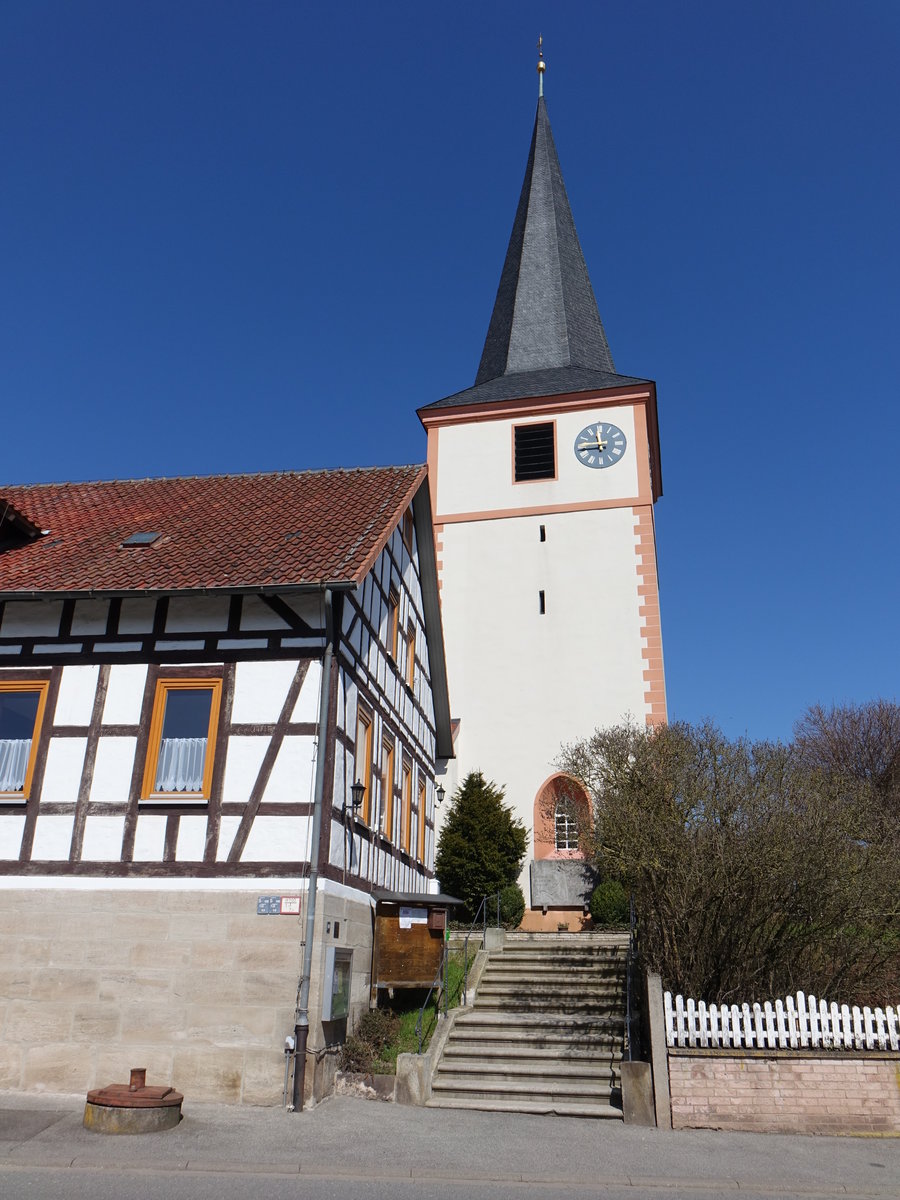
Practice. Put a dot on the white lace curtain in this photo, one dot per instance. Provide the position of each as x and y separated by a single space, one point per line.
180 766
13 763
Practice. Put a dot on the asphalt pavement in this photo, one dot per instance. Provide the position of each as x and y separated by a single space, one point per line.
346 1139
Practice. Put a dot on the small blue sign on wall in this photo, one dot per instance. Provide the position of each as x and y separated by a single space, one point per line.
278 906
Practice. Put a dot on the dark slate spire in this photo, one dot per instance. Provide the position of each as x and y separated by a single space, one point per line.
545 337
545 314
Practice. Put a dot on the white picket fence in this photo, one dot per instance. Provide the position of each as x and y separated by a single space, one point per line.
797 1023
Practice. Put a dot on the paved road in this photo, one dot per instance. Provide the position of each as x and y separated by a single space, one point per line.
351 1148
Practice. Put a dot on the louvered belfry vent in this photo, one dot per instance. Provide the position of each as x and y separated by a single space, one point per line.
535 452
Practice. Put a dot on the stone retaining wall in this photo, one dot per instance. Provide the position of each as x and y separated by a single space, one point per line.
785 1092
191 984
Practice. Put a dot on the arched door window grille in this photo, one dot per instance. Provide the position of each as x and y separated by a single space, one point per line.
566 825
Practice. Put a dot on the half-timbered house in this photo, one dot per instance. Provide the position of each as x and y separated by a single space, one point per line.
193 674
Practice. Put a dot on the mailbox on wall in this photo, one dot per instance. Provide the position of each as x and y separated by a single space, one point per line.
336 983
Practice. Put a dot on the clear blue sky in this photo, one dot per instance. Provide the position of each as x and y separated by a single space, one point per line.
257 236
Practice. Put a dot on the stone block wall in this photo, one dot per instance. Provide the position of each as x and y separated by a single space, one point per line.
785 1092
191 984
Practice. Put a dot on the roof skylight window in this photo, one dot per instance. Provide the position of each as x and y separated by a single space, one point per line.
141 539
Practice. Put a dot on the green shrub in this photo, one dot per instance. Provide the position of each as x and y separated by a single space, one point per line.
378 1027
368 1048
512 906
357 1055
609 905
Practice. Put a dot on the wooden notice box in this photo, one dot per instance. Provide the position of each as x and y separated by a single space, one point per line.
409 939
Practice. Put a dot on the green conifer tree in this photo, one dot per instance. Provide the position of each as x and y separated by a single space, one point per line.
481 845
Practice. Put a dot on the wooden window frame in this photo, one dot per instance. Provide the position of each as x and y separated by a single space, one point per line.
411 655
42 687
164 685
364 717
393 623
405 803
423 793
406 529
387 786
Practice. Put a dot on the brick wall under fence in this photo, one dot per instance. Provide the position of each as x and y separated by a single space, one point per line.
799 1066
785 1091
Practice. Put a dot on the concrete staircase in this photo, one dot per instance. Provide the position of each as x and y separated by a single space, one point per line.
546 1031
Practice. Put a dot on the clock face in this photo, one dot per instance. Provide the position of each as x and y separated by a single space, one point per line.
600 445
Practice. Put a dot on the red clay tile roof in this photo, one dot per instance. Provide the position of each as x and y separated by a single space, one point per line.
222 531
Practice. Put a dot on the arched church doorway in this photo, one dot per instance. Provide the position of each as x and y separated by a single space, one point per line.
561 810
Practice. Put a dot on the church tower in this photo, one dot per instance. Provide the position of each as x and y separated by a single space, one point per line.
543 479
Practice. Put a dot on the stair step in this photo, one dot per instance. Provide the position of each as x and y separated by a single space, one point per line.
479 1049
561 953
524 1042
549 1017
533 984
546 1031
508 1089
594 938
572 971
565 1007
554 1108
570 1029
538 1071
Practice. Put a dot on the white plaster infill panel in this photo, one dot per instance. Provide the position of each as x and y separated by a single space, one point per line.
77 689
31 618
191 839
192 614
90 617
293 774
476 465
150 837
245 755
102 839
62 774
344 846
137 615
228 827
307 706
125 694
308 608
112 770
260 689
11 829
256 614
52 838
278 839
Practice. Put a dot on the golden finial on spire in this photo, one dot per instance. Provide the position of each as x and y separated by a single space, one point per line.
542 66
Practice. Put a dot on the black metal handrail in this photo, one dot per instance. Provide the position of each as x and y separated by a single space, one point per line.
629 967
482 912
438 982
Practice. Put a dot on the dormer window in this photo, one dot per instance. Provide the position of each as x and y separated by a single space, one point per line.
15 528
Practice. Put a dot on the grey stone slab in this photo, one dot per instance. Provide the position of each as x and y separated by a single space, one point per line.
18 1125
561 883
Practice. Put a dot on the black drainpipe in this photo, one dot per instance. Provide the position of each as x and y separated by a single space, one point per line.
301 1027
